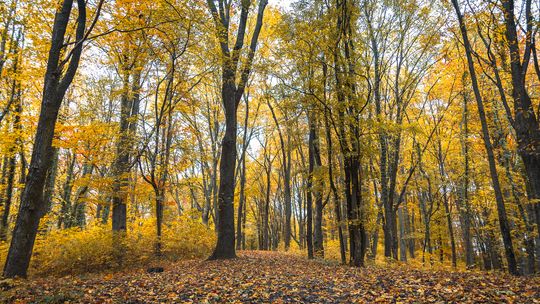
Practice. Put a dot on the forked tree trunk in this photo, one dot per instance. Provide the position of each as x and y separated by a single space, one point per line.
501 210
231 93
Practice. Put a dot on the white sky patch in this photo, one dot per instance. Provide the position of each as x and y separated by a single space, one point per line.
282 3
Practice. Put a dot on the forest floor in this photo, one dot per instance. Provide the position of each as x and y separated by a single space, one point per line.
271 277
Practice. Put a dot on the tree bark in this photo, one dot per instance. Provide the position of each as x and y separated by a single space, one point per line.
525 120
501 210
231 93
310 186
55 86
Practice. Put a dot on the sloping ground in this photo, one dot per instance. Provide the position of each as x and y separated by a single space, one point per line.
263 277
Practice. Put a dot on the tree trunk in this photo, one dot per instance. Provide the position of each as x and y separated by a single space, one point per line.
51 181
463 204
501 210
402 239
78 211
122 166
55 86
225 212
231 95
241 206
318 247
442 172
310 186
525 119
337 201
160 195
64 218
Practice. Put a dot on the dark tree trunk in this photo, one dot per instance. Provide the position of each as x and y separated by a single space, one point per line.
159 221
8 198
402 236
501 209
375 237
463 204
318 247
442 172
231 93
241 206
129 109
266 210
525 120
310 186
78 211
51 182
333 188
55 86
349 133
410 232
225 213
65 207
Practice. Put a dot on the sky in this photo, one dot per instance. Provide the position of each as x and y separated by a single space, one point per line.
282 3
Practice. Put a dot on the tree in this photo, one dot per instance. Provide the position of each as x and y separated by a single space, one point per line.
55 86
232 89
501 209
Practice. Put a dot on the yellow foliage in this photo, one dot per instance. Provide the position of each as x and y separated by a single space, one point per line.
76 250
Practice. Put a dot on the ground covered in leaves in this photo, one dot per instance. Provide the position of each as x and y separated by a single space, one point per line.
269 277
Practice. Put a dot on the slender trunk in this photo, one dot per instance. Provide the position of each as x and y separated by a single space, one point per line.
318 248
78 212
310 186
51 181
159 220
11 163
241 207
402 239
4 224
241 200
333 188
266 211
65 207
463 195
442 172
501 209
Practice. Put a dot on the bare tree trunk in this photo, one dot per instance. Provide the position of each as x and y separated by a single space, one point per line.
503 221
55 85
442 172
64 219
241 206
51 182
231 93
286 161
402 239
525 118
129 109
78 211
333 188
463 203
12 163
310 186
318 247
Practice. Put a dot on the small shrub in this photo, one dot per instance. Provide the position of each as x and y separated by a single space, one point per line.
75 250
